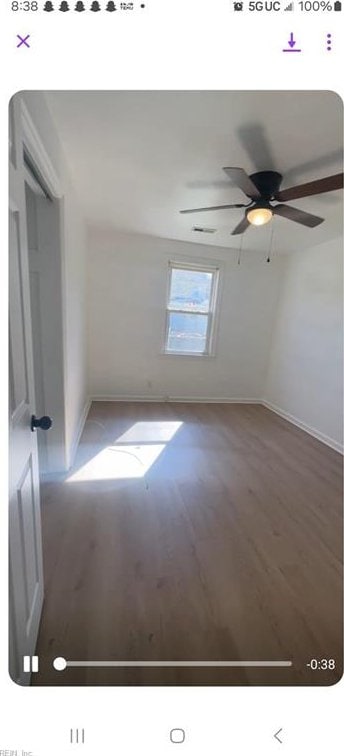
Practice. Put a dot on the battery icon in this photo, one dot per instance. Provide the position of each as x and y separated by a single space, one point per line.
337 6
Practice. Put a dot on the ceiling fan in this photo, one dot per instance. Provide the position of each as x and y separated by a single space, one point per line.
263 188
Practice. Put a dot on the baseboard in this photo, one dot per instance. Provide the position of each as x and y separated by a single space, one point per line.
214 400
303 426
79 430
181 399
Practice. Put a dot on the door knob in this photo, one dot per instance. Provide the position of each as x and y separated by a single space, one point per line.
44 422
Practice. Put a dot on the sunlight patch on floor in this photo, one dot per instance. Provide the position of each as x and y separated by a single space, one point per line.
150 432
118 462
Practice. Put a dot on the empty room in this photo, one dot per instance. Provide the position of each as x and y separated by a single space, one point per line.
175 380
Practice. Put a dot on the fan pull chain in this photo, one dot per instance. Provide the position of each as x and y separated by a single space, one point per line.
268 259
240 249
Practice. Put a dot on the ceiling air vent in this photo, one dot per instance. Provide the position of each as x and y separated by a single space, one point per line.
202 230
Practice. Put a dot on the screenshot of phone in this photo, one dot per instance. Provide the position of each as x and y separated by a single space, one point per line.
172 504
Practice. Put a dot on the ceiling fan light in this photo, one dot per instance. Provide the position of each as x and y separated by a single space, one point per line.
258 216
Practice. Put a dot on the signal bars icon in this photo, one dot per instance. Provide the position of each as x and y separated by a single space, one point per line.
289 7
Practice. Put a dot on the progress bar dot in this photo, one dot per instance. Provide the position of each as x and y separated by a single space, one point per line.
59 663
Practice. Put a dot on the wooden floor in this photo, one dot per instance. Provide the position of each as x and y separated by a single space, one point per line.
226 548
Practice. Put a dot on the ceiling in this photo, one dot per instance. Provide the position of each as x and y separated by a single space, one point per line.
137 158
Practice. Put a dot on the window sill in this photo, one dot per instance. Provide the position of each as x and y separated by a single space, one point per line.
204 355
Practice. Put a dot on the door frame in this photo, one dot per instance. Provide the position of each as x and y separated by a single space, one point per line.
34 146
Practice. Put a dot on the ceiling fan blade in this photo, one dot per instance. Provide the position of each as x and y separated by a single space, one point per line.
320 186
215 207
299 216
241 227
240 178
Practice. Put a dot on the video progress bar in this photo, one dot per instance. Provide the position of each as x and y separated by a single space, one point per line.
61 664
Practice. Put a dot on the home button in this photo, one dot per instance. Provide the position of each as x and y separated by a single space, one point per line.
177 735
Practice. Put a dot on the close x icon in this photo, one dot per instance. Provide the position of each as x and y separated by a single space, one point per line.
23 41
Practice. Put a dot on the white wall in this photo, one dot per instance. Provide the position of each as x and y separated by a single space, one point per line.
75 321
127 278
304 377
73 277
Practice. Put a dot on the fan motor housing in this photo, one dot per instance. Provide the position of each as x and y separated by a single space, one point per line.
267 183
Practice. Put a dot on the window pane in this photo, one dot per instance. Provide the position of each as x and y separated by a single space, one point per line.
187 333
190 290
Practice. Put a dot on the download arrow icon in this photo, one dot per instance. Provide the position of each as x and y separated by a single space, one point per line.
291 45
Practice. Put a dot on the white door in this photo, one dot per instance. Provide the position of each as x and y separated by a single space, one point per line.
25 538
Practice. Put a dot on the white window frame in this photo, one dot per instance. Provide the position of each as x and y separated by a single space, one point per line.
202 267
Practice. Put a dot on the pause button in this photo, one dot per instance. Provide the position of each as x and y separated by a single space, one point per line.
30 664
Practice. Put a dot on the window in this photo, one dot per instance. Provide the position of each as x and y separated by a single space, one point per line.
191 309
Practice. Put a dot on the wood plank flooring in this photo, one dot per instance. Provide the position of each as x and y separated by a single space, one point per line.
218 539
